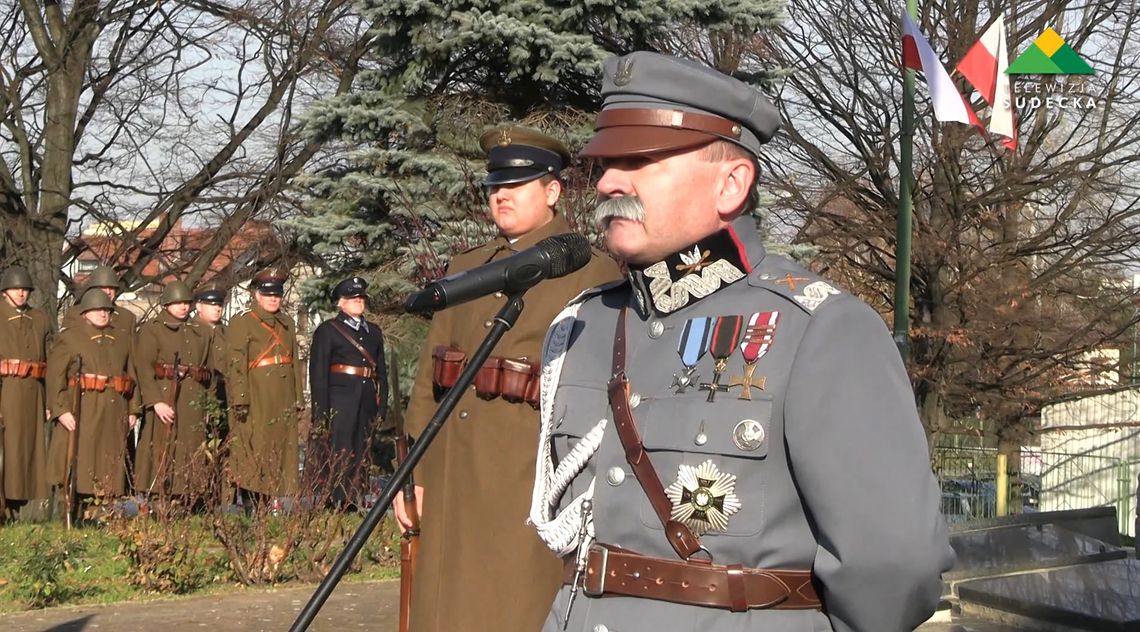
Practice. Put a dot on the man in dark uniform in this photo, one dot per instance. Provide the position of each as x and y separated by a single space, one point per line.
475 477
348 381
23 365
264 383
209 304
731 442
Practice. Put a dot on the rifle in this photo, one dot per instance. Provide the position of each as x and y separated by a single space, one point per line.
71 481
410 540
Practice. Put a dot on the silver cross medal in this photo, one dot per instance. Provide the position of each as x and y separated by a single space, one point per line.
581 554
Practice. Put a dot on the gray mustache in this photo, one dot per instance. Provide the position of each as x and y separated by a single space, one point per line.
622 207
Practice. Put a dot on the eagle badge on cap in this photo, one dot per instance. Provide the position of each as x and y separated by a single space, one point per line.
703 497
504 137
624 72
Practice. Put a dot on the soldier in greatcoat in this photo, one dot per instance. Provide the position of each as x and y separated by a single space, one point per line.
171 357
23 364
732 442
349 383
475 479
264 386
109 404
104 279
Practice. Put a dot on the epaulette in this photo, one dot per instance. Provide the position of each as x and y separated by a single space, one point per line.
795 283
598 290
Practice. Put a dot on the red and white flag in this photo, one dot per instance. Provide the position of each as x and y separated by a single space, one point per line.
984 67
917 55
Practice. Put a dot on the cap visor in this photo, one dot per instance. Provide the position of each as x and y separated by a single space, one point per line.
514 175
612 142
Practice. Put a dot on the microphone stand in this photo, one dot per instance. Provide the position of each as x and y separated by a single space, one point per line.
506 319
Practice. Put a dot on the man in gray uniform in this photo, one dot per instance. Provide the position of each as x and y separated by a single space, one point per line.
728 441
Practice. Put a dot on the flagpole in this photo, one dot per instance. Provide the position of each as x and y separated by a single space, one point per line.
906 207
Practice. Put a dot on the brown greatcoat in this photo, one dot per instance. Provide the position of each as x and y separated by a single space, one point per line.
480 567
103 415
23 336
173 454
264 448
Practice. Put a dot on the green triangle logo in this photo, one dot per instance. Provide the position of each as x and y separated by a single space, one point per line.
1049 55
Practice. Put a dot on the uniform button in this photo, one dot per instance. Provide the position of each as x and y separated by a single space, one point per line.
656 328
498 295
601 628
463 414
486 324
634 400
615 476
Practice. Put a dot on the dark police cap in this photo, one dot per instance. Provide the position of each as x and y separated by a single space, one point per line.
270 281
655 103
520 154
211 294
351 287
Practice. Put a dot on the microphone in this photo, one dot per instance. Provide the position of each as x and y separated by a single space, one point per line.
550 258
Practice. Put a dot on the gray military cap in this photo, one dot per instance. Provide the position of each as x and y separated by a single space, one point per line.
655 103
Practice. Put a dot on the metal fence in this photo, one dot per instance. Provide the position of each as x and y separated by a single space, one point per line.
1040 481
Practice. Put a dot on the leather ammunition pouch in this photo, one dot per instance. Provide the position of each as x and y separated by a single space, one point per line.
165 371
446 365
515 380
23 368
121 384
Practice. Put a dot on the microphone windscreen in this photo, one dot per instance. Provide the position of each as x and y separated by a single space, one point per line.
568 252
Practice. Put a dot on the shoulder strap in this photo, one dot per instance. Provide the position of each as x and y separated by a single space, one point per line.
352 341
680 536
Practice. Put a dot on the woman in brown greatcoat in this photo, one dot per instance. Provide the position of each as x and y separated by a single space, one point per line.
480 567
109 404
23 336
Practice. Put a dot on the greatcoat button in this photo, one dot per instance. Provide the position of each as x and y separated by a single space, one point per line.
656 328
463 414
601 628
498 295
486 324
634 400
615 476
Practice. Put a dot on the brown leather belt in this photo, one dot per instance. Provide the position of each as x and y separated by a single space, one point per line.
121 384
271 361
348 369
694 583
164 371
23 368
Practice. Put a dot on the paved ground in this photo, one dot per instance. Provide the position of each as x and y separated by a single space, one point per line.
371 606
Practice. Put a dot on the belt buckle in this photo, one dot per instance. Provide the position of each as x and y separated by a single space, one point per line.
595 585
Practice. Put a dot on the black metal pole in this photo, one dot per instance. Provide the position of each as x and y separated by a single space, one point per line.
506 319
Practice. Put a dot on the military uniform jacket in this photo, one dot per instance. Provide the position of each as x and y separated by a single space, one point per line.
264 448
829 457
172 455
340 397
480 567
103 415
23 336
